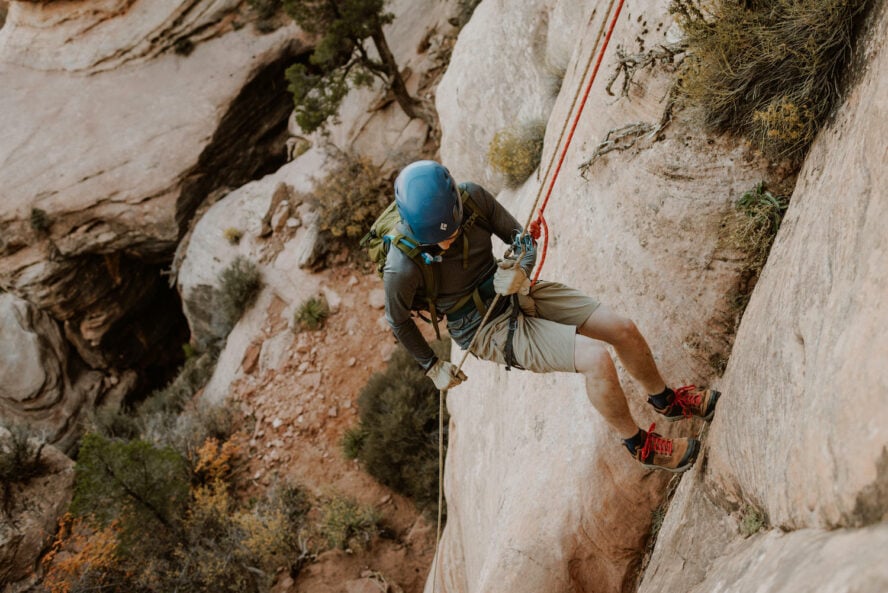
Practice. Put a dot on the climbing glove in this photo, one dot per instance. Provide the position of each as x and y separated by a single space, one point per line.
510 278
445 375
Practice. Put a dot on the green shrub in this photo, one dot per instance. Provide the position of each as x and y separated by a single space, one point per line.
749 229
349 198
767 70
240 283
752 520
352 442
754 225
347 525
40 221
399 427
516 152
312 314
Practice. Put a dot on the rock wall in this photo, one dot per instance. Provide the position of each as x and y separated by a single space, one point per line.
800 438
541 497
120 118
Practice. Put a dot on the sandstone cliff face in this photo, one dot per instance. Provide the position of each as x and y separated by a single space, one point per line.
119 118
541 497
801 438
540 494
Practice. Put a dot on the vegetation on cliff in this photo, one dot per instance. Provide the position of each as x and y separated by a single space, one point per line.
770 71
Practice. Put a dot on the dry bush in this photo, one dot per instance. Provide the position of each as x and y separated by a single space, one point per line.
516 152
84 559
396 439
19 461
769 71
230 548
349 198
240 283
345 524
152 520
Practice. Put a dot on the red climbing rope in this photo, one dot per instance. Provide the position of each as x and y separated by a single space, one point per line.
533 227
540 220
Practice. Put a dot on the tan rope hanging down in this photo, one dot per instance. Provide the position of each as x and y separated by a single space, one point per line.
534 228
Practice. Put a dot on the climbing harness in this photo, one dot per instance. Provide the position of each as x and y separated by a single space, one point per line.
534 227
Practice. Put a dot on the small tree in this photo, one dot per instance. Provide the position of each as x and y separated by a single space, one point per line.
143 486
340 58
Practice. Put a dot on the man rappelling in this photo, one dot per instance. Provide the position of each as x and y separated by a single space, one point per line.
445 265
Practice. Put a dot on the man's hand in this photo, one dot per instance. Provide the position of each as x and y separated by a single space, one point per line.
445 375
510 278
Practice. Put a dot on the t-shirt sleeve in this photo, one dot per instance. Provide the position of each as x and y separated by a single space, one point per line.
501 221
402 280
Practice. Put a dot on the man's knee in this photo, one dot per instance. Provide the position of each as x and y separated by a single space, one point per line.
624 329
610 327
590 356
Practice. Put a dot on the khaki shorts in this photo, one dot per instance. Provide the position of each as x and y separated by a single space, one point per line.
545 336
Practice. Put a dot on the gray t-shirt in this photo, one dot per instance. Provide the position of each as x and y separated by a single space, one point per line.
403 278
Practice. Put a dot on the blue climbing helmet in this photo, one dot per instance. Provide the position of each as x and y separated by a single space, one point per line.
428 201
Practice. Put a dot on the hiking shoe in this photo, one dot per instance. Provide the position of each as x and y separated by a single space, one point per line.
690 401
658 452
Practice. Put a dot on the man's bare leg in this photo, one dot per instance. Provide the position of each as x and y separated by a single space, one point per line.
634 352
603 388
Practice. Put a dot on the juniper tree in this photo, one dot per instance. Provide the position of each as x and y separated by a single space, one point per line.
340 58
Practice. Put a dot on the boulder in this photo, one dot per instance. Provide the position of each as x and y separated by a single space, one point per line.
42 383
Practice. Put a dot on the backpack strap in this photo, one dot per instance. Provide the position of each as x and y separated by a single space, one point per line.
474 216
429 274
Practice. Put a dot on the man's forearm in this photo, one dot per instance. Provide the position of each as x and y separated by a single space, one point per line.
412 339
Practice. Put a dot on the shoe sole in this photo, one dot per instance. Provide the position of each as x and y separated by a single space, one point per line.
706 418
691 458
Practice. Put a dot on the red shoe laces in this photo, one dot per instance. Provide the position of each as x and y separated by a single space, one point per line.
687 397
655 442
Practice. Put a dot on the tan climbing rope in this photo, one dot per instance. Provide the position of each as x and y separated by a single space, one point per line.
540 222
